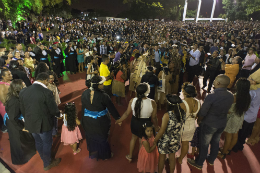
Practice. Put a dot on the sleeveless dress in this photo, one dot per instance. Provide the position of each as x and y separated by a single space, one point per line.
147 162
80 58
189 126
69 137
170 141
234 121
145 115
2 107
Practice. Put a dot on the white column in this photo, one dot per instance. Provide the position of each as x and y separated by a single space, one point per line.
185 10
198 11
213 10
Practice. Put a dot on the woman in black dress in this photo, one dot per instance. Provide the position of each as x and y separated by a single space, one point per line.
21 141
150 78
96 121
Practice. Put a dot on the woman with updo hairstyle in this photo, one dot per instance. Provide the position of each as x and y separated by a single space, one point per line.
191 106
168 138
143 109
96 121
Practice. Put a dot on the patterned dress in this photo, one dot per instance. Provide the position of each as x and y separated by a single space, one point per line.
170 141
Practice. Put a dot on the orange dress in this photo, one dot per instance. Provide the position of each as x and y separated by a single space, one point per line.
147 162
231 70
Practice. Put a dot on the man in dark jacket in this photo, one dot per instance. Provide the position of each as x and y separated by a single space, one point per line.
39 108
212 70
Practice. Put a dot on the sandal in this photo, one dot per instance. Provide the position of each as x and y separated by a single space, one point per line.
221 155
251 142
190 155
178 160
128 158
76 152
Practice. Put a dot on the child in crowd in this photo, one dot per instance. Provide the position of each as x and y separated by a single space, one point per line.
70 134
148 154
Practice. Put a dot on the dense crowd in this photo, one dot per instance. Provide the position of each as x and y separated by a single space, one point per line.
156 62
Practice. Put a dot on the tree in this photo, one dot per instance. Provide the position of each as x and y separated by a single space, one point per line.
171 9
16 10
148 8
240 9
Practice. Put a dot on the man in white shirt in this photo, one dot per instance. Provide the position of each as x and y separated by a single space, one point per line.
194 62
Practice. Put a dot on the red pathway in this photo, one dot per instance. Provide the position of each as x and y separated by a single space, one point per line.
71 89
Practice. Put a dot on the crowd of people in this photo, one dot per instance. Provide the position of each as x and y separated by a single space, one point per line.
155 63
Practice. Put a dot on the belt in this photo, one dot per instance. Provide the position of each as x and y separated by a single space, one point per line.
7 117
71 53
95 114
152 85
56 57
43 59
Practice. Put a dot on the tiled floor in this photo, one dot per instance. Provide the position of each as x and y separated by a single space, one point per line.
71 89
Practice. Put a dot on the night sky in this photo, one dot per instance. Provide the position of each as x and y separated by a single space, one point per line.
117 6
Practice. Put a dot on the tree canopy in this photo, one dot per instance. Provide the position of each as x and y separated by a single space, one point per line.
240 9
16 10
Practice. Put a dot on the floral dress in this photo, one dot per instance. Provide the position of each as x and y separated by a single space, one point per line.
170 141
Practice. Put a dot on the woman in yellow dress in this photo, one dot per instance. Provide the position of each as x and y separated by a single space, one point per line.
28 61
231 70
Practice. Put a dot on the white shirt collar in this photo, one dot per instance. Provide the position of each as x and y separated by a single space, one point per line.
39 83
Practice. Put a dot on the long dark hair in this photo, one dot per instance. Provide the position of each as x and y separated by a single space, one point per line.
2 60
145 125
174 105
15 87
140 89
70 111
41 67
243 98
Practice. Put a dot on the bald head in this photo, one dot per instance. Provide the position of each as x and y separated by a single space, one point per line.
221 81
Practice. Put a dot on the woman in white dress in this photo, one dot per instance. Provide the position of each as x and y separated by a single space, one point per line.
192 106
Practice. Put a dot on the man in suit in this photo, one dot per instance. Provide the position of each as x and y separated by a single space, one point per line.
38 107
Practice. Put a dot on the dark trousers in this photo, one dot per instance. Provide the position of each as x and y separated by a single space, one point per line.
57 67
211 75
108 90
158 67
55 126
43 143
243 134
244 73
193 70
208 135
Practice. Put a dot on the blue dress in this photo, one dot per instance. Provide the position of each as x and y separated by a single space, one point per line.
80 58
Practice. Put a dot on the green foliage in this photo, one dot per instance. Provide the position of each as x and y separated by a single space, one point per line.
148 9
240 9
191 13
16 10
